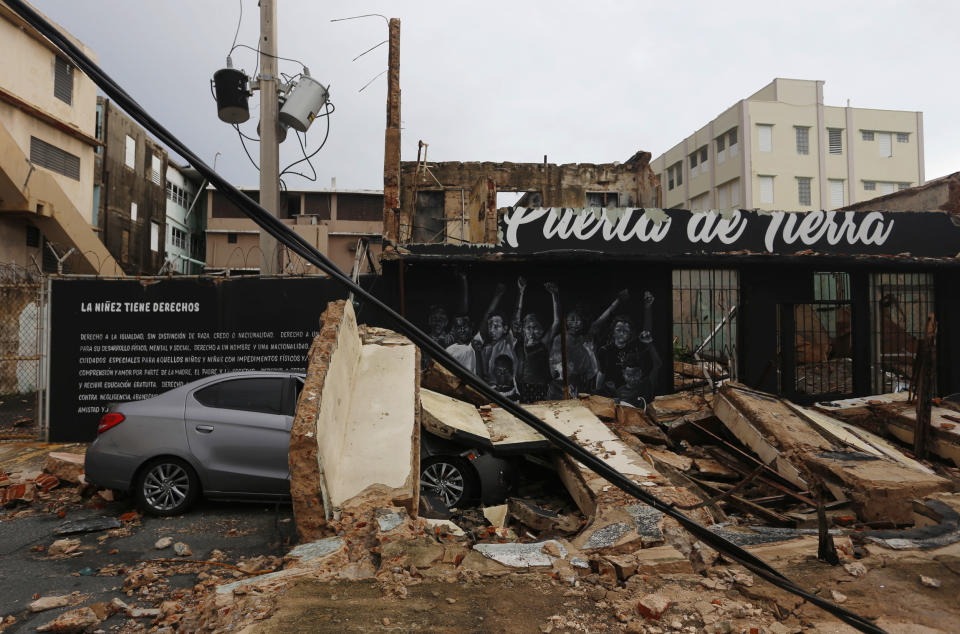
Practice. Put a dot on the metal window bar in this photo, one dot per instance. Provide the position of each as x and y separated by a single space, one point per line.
822 364
705 304
900 304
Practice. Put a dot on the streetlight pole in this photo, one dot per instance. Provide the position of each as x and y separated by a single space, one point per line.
269 145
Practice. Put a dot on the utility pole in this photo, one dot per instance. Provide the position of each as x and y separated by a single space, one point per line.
269 145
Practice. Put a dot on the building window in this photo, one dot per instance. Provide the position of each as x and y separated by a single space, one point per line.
835 140
133 212
886 188
130 157
53 158
866 135
884 142
603 199
154 237
156 174
675 175
732 142
733 189
803 140
903 186
869 186
764 137
836 193
63 81
704 158
178 238
33 236
98 128
903 137
231 238
125 246
721 148
803 189
693 164
766 189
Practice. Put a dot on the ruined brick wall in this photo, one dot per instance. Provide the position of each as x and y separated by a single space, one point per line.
306 480
942 194
558 185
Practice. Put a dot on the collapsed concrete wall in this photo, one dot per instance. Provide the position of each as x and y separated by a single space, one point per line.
357 427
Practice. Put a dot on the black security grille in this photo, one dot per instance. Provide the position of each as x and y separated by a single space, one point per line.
53 158
901 304
704 327
822 346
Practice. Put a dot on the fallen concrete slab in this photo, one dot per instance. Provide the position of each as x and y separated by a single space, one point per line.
357 425
796 441
901 418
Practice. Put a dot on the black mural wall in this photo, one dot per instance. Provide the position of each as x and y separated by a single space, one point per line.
504 320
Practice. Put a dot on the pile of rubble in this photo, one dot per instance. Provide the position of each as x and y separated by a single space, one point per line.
796 483
58 484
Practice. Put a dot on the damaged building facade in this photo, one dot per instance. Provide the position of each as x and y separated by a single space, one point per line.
809 305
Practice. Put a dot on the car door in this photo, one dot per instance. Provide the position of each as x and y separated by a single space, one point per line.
239 430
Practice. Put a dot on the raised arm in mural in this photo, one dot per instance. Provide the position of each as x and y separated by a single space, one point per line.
494 338
598 324
533 359
649 358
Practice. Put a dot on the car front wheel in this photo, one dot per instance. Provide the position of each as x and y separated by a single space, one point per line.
166 486
449 479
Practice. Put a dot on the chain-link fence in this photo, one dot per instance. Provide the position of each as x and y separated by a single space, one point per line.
20 337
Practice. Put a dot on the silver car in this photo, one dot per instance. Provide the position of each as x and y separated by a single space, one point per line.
226 436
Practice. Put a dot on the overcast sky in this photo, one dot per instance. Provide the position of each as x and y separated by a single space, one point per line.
513 81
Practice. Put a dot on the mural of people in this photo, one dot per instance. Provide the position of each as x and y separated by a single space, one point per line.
533 359
611 353
581 350
623 342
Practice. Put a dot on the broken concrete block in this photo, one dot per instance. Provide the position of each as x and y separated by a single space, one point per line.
181 549
78 620
652 606
68 467
496 515
929 582
87 525
389 519
519 555
624 565
602 407
855 569
48 603
661 560
540 519
63 547
449 418
315 550
444 527
163 542
838 597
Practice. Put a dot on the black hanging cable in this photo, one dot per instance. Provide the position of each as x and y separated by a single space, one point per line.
244 144
329 108
235 35
299 245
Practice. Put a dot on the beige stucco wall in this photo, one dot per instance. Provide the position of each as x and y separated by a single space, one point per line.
31 79
786 104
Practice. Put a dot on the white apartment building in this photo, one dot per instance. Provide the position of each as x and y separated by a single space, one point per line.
782 148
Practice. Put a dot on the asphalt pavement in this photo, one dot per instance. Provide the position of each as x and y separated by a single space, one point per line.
238 530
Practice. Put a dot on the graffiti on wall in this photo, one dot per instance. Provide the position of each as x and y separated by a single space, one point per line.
527 329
